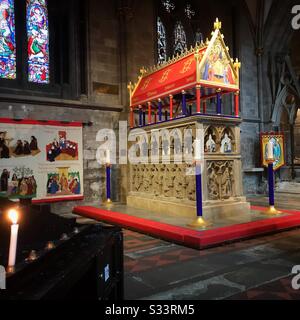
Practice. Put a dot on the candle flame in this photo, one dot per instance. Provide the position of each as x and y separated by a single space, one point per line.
13 215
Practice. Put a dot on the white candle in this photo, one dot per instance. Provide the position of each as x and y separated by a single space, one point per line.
13 216
270 153
198 150
107 156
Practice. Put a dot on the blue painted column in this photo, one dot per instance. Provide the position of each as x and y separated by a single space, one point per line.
199 190
144 118
140 116
271 184
108 186
159 110
184 110
219 102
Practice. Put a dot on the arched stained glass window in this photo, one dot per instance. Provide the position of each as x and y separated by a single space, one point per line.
38 41
7 40
180 43
161 42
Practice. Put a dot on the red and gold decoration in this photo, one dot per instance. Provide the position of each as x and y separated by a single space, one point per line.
201 73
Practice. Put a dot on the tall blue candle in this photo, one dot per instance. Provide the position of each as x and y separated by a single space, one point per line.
199 190
184 111
108 195
160 110
271 184
219 103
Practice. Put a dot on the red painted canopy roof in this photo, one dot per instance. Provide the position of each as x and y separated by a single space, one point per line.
207 65
177 76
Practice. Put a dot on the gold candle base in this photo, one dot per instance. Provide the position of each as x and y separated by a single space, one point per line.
10 269
272 211
108 203
200 223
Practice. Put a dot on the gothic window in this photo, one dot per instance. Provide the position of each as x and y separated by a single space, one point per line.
180 42
38 41
7 40
161 42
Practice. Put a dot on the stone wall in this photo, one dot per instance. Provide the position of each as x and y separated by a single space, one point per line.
250 127
103 55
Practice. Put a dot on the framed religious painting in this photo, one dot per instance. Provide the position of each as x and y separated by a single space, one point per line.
277 139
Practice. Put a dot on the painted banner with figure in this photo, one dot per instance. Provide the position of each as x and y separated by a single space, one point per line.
42 160
277 140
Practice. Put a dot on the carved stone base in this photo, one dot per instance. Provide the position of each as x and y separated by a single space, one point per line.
212 209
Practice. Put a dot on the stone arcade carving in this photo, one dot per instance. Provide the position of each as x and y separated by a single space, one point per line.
220 180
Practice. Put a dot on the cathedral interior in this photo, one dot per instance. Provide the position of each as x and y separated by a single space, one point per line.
93 50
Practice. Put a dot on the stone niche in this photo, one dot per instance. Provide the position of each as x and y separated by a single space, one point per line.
170 188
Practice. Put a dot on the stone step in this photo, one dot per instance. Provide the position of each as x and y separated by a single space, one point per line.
282 202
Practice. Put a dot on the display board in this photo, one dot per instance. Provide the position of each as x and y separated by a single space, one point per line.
42 160
277 140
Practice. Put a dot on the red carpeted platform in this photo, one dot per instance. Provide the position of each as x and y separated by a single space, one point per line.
193 238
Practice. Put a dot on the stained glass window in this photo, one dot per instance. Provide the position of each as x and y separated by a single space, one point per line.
161 42
7 40
180 44
38 41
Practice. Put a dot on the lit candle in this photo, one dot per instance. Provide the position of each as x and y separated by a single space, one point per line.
198 151
107 156
270 152
13 216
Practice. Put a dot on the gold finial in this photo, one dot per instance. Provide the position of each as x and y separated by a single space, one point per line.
227 48
207 42
237 64
130 86
217 24
143 70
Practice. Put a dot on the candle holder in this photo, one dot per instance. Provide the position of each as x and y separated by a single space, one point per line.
271 210
200 223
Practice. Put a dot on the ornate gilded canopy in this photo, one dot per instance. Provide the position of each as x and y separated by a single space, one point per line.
208 65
